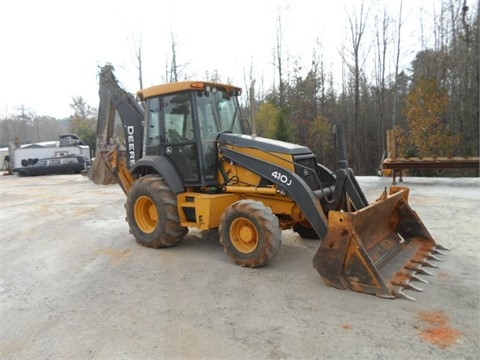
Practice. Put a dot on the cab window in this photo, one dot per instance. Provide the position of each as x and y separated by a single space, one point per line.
153 131
178 118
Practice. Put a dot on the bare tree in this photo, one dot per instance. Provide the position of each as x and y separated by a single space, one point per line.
175 68
397 64
466 55
279 59
138 57
357 26
382 25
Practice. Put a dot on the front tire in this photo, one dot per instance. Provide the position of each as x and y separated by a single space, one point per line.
249 233
305 230
152 213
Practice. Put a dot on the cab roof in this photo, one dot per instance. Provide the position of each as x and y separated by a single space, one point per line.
184 86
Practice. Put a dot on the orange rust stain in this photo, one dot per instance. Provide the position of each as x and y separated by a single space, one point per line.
400 278
118 256
439 332
347 326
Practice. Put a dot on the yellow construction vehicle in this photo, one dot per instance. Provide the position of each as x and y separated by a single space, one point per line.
189 161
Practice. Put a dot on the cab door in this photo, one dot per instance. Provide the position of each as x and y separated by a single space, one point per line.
171 133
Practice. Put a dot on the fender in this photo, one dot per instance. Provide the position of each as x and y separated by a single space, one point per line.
163 167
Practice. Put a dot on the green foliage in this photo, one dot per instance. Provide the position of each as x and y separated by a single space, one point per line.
428 135
83 121
283 128
320 140
87 134
274 123
266 119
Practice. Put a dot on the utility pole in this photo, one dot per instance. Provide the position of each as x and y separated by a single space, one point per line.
25 140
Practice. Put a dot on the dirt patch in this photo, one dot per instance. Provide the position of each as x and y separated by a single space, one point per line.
439 331
118 256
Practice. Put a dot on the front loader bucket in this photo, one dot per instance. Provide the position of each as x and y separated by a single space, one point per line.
379 249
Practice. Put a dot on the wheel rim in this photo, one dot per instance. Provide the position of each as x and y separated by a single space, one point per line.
244 235
146 214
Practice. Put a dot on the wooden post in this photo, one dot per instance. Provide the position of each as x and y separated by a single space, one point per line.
391 149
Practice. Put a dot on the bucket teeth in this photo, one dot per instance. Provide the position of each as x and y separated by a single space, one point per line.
414 277
440 247
422 271
437 252
409 286
425 263
433 257
400 294
418 269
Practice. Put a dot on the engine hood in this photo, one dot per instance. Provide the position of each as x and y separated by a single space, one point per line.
269 145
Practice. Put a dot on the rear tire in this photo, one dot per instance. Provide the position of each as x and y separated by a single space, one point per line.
249 233
152 213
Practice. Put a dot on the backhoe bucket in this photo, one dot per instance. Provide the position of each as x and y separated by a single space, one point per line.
379 249
100 171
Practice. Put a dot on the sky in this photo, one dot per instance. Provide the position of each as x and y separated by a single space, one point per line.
52 49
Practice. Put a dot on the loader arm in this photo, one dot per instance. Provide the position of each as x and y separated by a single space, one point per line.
345 181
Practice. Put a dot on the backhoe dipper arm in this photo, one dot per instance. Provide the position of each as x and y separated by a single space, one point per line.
112 161
114 98
293 184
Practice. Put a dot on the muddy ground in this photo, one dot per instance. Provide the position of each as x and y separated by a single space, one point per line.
75 285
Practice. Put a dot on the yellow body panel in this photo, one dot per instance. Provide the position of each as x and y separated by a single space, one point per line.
208 208
250 178
182 86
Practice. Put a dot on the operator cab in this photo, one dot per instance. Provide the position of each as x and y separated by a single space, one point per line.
183 121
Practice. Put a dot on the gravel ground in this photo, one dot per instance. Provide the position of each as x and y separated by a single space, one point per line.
75 285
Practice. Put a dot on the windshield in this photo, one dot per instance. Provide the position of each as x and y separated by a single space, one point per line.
218 111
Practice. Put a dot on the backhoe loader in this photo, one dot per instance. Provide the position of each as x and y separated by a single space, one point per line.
189 161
